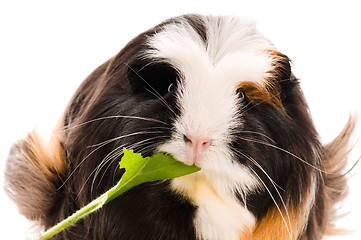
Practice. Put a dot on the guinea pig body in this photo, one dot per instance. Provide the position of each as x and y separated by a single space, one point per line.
211 91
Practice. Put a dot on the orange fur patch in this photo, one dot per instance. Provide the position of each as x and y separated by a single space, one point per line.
279 224
49 158
268 92
256 92
275 226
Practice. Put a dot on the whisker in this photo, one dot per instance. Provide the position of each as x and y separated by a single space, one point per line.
108 158
244 107
141 149
275 202
275 185
88 178
114 154
286 151
99 146
124 136
162 100
268 190
76 168
257 133
69 127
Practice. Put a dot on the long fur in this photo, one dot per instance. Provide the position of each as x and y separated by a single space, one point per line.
265 174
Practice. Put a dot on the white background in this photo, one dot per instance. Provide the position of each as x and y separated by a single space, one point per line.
48 47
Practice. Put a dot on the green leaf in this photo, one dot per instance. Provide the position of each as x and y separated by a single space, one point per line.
138 170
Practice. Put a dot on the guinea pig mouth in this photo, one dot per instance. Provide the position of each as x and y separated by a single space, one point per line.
194 158
191 150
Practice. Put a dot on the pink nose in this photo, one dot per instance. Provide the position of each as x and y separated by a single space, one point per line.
196 147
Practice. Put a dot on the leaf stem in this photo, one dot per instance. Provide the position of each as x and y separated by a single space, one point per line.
88 209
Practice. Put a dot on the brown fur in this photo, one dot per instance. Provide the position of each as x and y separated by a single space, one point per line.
333 186
33 174
275 226
335 176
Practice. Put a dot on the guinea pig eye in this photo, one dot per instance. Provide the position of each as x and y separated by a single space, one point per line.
153 79
171 88
240 94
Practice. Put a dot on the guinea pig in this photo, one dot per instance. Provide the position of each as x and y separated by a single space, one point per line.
211 91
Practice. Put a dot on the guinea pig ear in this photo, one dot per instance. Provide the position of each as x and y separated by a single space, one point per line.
33 175
279 76
118 67
281 66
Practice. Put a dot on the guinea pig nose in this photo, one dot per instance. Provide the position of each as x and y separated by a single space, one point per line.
196 148
197 142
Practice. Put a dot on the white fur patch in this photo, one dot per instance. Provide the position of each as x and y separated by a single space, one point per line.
220 214
234 53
